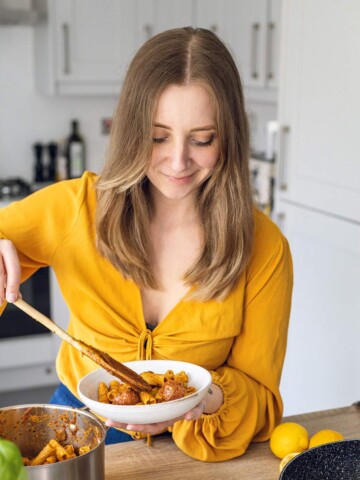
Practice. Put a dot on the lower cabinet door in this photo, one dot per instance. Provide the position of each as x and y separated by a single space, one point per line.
322 365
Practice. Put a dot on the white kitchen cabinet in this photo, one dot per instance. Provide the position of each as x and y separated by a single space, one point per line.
84 46
317 199
250 28
319 105
322 364
211 14
155 16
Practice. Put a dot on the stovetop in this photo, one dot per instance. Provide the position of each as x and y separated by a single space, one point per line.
12 188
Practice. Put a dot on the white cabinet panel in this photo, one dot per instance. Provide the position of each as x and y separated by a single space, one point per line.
246 31
84 46
273 43
210 14
94 39
156 16
250 28
318 106
322 365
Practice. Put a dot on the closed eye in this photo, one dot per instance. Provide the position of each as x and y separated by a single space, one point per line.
204 144
197 143
159 140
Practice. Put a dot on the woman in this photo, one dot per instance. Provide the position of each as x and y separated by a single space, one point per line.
163 255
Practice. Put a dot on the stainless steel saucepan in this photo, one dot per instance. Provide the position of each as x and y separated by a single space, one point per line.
31 427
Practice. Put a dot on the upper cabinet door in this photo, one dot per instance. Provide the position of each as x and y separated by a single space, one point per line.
156 16
319 105
95 39
245 31
250 28
272 44
210 14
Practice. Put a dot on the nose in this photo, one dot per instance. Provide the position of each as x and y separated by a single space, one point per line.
179 157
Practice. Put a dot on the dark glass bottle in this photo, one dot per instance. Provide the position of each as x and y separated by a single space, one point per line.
38 171
53 151
75 152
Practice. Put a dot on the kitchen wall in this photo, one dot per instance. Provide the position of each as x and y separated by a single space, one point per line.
27 117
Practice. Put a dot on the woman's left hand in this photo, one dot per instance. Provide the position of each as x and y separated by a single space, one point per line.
210 404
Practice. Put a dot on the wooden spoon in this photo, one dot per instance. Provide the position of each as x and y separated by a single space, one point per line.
111 365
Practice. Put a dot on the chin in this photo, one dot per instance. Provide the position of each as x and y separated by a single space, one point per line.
177 194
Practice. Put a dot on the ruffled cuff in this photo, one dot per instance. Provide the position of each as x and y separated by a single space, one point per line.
227 433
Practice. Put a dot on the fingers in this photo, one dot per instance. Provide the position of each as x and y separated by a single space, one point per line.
196 412
111 423
10 272
155 428
151 428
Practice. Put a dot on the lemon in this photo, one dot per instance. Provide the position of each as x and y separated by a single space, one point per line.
287 459
288 438
325 436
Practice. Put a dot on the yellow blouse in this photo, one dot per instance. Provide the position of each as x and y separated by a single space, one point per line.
241 340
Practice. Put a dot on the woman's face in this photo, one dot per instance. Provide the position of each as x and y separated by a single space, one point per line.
185 142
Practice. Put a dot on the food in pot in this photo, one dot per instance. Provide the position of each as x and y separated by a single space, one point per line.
165 387
54 452
46 435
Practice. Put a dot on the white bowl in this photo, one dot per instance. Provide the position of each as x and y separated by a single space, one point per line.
144 414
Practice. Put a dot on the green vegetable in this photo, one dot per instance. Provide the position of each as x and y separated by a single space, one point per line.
11 466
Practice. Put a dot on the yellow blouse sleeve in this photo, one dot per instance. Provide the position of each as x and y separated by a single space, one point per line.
250 378
40 222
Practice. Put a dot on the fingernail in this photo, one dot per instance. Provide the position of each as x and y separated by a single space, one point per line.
11 297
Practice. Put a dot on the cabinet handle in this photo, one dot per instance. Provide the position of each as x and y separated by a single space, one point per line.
254 49
280 220
284 131
66 39
270 50
149 30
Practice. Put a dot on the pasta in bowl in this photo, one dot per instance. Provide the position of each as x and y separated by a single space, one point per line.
196 381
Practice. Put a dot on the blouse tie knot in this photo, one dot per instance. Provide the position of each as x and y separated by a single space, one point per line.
145 345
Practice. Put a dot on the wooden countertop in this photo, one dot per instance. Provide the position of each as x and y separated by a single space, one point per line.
163 460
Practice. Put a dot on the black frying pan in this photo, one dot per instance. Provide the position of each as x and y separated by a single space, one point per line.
332 461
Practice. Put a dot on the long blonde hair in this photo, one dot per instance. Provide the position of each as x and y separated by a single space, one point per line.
178 56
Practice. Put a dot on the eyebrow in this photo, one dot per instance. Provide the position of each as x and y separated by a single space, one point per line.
197 129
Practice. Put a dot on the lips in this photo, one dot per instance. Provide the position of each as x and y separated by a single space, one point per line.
180 180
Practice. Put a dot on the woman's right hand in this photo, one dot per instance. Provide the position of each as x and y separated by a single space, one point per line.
10 272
